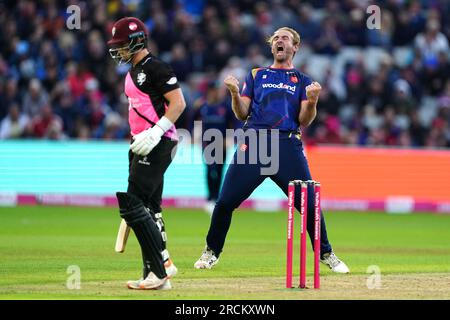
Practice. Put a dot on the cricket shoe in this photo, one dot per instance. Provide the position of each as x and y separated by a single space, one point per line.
152 282
207 260
332 261
171 269
134 284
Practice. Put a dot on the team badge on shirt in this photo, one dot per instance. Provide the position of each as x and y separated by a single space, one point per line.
141 78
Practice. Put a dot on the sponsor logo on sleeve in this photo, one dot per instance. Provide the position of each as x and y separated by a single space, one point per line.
172 80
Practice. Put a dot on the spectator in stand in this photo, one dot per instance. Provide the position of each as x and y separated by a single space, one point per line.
236 33
307 26
77 76
263 18
254 58
35 98
402 98
431 43
198 54
354 79
417 19
14 124
162 33
95 108
179 61
9 96
440 133
355 32
416 130
435 73
329 41
284 15
391 128
95 54
203 38
382 37
113 128
46 125
444 99
64 107
403 34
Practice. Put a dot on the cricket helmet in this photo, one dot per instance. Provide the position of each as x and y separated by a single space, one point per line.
129 35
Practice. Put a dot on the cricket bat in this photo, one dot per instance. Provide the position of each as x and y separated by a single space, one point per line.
122 236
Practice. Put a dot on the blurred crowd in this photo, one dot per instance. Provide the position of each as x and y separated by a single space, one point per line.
387 86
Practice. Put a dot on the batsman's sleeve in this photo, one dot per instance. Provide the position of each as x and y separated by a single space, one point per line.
247 88
164 78
306 82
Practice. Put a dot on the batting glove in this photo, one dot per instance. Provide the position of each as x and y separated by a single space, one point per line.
144 142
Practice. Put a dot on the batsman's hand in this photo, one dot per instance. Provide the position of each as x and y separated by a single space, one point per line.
313 91
232 84
144 142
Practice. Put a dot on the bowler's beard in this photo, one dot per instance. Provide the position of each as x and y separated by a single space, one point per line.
286 56
283 58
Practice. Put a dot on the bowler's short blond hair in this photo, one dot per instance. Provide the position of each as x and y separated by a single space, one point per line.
295 35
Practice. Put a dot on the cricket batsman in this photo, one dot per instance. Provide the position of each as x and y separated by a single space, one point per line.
275 97
155 103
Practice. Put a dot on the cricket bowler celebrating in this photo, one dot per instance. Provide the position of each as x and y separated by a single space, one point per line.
155 103
276 97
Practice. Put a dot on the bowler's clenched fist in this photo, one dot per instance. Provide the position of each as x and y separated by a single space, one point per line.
313 91
232 84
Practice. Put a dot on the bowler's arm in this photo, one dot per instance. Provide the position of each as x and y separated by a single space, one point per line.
240 105
308 112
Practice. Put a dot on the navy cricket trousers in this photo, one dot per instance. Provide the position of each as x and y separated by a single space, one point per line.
242 179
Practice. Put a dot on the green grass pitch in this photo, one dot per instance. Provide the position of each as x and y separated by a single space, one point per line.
38 244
